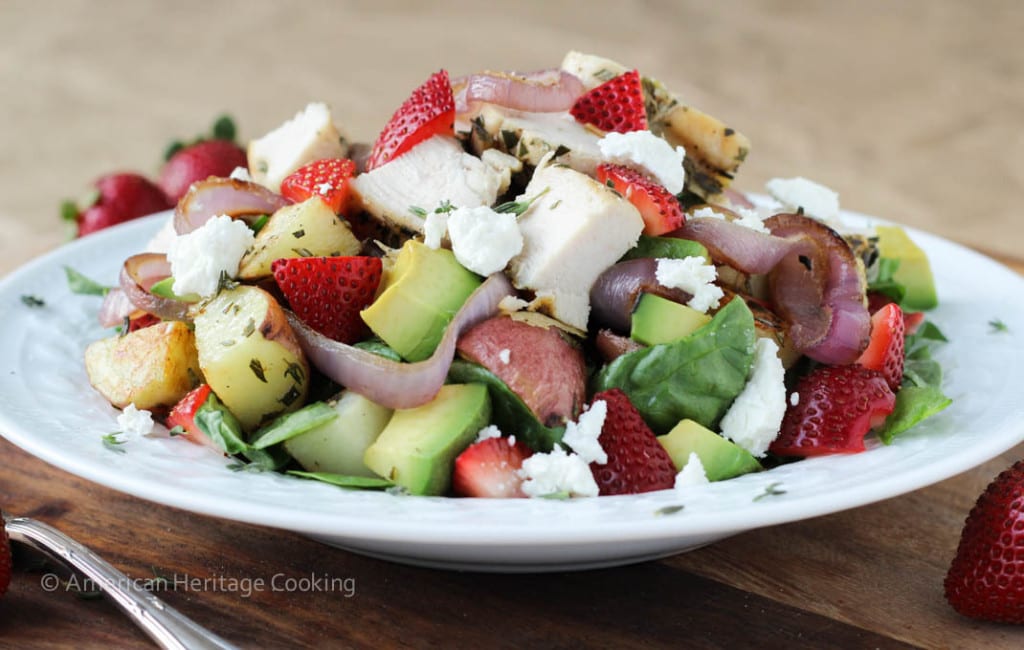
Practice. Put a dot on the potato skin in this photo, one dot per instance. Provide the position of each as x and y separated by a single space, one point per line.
152 368
250 356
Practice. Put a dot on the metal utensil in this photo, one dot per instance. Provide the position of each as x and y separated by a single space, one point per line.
168 627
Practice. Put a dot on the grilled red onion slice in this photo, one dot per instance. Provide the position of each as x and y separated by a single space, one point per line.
215 196
544 91
615 292
115 308
740 247
142 271
820 292
392 384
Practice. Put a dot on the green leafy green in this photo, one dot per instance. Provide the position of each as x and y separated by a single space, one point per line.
920 395
345 481
82 285
666 247
885 281
509 411
165 289
997 325
696 377
293 424
221 426
380 348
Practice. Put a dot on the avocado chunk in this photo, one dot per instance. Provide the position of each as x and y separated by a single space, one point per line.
914 271
337 446
419 296
721 458
658 320
417 448
666 247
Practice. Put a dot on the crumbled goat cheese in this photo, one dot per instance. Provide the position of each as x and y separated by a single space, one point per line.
484 240
512 304
692 473
582 435
490 431
134 423
240 174
794 399
816 200
693 276
435 226
505 356
648 153
747 218
200 257
546 474
754 418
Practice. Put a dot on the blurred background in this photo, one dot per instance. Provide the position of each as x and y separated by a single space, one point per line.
912 110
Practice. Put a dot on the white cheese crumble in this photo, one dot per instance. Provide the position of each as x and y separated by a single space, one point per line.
747 218
754 418
134 423
816 200
582 435
200 257
646 152
512 304
694 276
558 471
692 473
505 356
794 399
240 174
490 431
435 226
484 240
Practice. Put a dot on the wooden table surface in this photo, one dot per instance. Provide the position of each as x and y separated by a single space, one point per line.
911 110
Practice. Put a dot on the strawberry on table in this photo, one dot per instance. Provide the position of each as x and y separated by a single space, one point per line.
429 111
198 162
836 406
659 209
885 350
986 577
616 105
490 468
328 293
118 198
637 462
327 179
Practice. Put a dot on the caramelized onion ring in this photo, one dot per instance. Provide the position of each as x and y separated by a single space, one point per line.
216 196
142 271
544 91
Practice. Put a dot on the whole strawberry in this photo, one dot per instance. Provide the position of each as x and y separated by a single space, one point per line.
117 198
636 460
198 162
986 578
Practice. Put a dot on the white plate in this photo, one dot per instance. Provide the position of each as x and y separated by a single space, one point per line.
48 408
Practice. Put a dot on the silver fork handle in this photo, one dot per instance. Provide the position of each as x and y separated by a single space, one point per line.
168 627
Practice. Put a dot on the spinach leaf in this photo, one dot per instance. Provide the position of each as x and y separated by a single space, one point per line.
920 396
666 247
696 377
508 410
885 281
223 428
293 424
345 480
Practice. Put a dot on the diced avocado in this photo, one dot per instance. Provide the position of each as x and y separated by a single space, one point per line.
658 320
417 448
721 458
914 272
337 446
420 295
666 247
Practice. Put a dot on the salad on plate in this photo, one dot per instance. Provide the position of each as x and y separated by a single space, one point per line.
530 285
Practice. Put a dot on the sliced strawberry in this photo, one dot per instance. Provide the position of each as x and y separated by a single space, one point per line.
197 162
986 577
836 407
885 350
183 414
660 210
327 179
327 293
913 320
489 468
615 105
636 460
429 111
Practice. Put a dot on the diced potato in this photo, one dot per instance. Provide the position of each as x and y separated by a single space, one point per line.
306 229
152 367
250 355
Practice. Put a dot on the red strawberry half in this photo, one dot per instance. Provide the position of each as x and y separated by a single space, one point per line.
660 210
120 197
198 162
489 468
885 350
327 179
183 414
836 407
327 293
429 111
615 105
986 578
636 460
